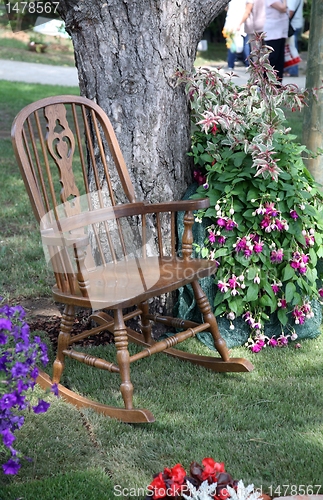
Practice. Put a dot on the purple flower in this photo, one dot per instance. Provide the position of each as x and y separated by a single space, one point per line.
7 437
8 401
18 366
3 362
54 389
19 370
293 214
42 407
11 467
3 338
230 224
5 324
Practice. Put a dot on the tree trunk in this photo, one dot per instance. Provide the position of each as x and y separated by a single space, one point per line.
127 52
313 114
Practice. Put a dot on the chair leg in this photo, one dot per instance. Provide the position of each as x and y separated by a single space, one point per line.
145 323
205 308
121 342
67 322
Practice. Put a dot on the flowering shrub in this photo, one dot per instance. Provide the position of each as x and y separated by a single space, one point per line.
206 481
18 372
264 226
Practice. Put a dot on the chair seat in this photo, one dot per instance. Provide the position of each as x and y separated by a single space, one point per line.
128 282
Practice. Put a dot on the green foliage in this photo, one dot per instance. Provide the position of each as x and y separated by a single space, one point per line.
265 216
198 413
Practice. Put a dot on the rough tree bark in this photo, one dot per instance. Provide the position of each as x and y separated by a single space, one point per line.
126 54
313 114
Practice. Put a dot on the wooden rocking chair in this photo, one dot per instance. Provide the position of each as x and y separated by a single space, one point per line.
68 155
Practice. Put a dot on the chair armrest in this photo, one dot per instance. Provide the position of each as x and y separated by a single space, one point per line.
177 206
50 238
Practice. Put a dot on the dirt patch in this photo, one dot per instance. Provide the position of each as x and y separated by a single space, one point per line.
44 315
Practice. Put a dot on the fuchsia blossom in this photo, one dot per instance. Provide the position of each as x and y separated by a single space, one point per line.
277 255
223 286
249 244
293 214
234 284
199 177
271 210
282 303
299 262
309 239
221 222
211 237
302 312
283 340
275 287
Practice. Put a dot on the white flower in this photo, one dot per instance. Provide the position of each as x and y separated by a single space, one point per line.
205 491
244 493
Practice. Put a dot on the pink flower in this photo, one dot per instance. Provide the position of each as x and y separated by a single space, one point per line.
282 303
275 288
265 222
221 222
223 287
230 224
256 347
280 225
221 240
283 340
258 247
273 342
271 210
248 252
277 255
293 214
320 291
211 237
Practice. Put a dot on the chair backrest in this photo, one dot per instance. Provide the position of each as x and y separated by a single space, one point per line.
61 143
69 159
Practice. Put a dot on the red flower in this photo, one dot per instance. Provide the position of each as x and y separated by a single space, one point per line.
177 473
158 486
211 469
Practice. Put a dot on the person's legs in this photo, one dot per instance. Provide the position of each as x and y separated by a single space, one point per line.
277 57
293 70
246 50
231 59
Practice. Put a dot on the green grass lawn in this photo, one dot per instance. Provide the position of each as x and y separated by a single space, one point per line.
15 48
267 426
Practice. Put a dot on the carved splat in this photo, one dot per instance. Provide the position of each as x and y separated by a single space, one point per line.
61 146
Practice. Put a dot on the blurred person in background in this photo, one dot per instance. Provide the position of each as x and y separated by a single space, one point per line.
295 8
253 18
234 28
276 32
